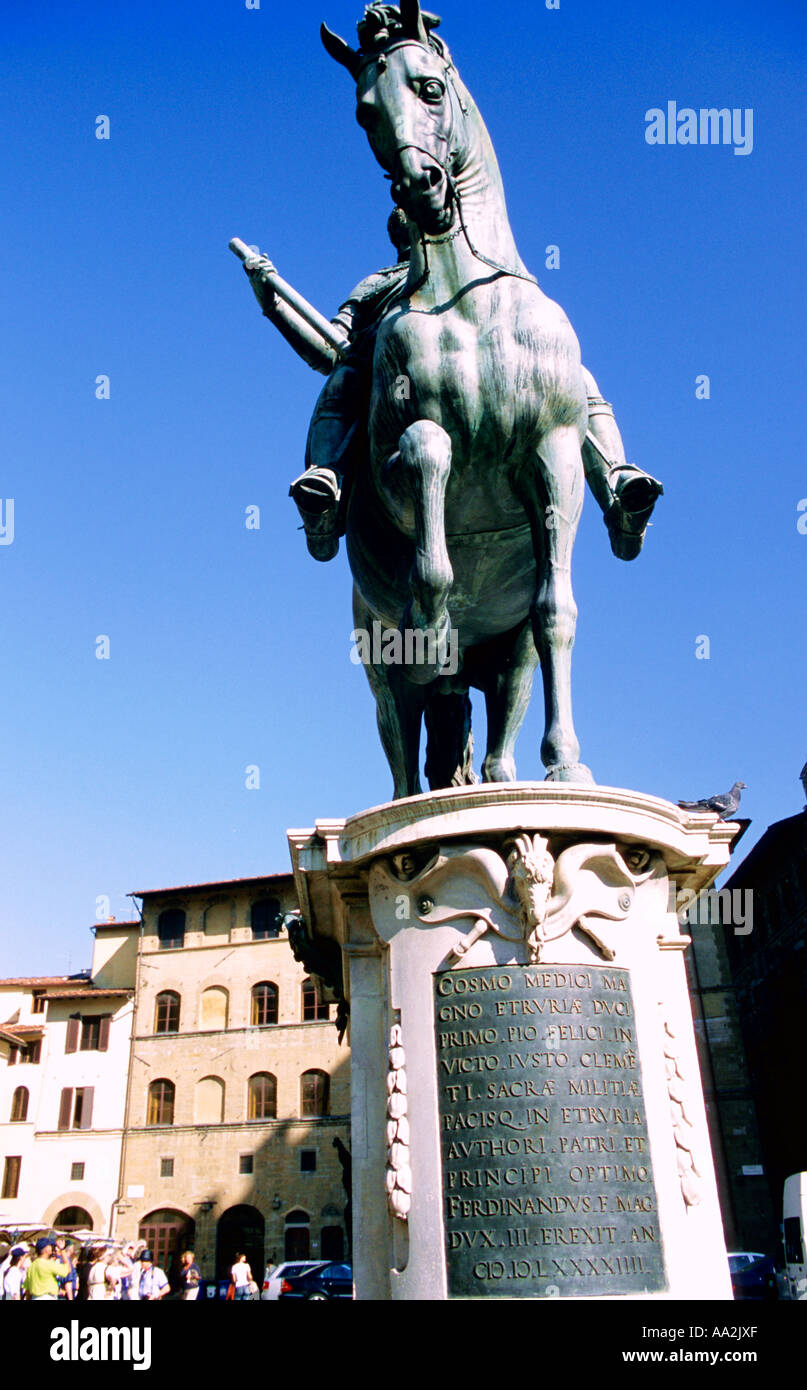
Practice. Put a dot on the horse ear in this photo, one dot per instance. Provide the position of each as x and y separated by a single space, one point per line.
341 51
413 24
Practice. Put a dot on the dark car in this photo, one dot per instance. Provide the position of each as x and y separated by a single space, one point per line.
752 1275
325 1281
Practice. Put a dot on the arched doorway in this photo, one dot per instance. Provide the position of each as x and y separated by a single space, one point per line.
297 1243
72 1219
167 1233
332 1235
240 1228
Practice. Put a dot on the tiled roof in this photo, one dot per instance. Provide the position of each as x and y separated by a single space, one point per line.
89 992
43 981
221 883
19 1030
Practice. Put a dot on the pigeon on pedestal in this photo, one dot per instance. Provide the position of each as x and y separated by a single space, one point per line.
724 805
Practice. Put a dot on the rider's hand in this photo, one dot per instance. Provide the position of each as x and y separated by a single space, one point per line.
258 268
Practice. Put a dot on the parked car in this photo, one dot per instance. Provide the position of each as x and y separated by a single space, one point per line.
794 1225
272 1280
753 1275
326 1281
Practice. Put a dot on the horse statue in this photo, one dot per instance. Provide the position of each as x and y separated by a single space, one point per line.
471 439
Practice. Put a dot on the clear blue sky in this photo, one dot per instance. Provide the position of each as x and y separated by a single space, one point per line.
231 647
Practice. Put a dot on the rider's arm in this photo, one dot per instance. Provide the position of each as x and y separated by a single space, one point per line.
302 337
305 340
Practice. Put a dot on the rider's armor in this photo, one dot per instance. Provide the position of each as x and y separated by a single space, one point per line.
624 492
341 410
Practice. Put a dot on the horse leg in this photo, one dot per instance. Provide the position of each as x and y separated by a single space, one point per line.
553 495
507 686
425 462
399 712
449 740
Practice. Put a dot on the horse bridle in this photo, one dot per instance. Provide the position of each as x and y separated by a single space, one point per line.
448 70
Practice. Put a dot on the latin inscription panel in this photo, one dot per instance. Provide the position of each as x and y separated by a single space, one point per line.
547 1183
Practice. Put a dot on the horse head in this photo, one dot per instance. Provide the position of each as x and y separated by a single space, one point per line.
409 106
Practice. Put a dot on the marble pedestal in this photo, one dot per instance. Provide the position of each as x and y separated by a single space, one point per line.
527 1113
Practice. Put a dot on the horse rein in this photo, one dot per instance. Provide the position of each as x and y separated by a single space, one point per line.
478 255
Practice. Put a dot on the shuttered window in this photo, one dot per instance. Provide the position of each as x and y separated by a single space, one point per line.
65 1108
87 1033
11 1176
19 1104
73 1029
75 1108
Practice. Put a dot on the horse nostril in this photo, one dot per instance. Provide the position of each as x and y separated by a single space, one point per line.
433 176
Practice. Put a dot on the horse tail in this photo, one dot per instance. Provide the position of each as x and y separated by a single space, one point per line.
449 740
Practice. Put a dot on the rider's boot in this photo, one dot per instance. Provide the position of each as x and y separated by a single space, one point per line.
635 495
626 494
316 494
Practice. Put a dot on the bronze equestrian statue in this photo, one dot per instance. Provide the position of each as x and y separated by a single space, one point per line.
452 438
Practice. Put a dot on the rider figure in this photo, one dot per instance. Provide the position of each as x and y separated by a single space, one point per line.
624 492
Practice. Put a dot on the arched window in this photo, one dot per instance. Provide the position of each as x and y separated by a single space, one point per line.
73 1219
314 1093
313 1010
209 1106
264 1004
213 1012
19 1104
167 1233
161 1102
166 1012
240 1228
218 919
262 1103
265 917
171 928
297 1242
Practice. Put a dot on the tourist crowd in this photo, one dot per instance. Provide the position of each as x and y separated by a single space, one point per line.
56 1268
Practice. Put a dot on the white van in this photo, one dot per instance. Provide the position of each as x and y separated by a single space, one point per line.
794 1226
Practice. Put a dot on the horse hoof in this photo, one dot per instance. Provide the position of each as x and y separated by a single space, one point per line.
570 772
499 770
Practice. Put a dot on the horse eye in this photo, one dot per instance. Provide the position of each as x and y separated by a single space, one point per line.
432 91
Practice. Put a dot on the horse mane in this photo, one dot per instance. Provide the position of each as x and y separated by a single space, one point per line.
383 25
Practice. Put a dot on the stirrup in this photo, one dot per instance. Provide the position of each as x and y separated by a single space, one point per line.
635 496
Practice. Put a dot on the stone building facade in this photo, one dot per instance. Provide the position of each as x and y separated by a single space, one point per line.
748 984
769 975
237 1107
749 1219
63 1070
